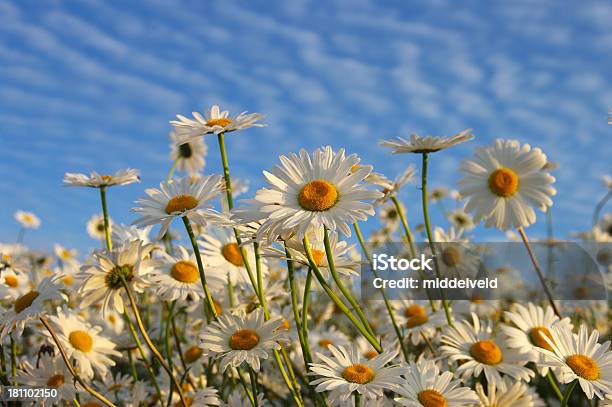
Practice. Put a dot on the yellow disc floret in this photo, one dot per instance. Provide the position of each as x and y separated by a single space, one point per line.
185 272
318 196
181 203
358 373
504 182
487 352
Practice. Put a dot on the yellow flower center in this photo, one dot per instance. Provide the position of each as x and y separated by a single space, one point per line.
188 402
66 254
185 272
371 354
81 340
416 320
503 182
285 325
231 252
192 354
537 334
181 203
358 373
487 352
431 398
318 196
68 280
324 343
451 256
106 178
222 121
25 301
414 310
244 339
583 366
11 281
55 381
218 307
112 319
318 256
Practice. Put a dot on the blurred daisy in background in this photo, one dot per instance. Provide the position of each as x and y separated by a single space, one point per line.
417 320
27 220
13 284
502 182
426 144
318 190
122 234
426 386
461 220
513 394
95 180
189 156
179 198
214 121
346 372
95 227
50 372
64 254
238 338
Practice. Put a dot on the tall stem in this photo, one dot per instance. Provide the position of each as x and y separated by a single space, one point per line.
3 375
568 393
388 306
226 174
338 301
172 169
74 374
196 251
148 341
357 399
109 243
13 356
432 246
167 346
347 294
538 270
600 206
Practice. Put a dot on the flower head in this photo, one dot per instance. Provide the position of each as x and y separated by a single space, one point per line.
426 144
189 156
27 219
95 180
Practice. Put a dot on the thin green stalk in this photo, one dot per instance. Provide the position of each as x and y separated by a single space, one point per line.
226 174
196 250
132 365
168 347
538 270
357 399
554 386
432 246
148 341
396 328
3 376
347 294
13 356
109 243
245 387
337 300
172 169
253 377
306 303
143 356
568 393
600 205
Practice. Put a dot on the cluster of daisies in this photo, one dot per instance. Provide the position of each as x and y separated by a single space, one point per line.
206 301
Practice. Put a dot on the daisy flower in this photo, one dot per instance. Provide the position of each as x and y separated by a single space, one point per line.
95 180
461 220
102 280
221 255
27 219
346 371
189 156
64 254
475 346
121 234
425 386
30 306
214 121
607 181
389 216
437 194
531 325
418 320
179 198
426 144
178 278
235 399
318 190
516 394
321 339
84 344
391 188
95 227
205 397
502 183
48 372
580 357
13 285
237 338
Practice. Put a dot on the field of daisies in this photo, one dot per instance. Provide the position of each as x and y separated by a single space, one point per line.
255 301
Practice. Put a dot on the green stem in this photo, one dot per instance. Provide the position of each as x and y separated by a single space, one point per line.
196 250
245 387
109 243
396 328
600 205
3 376
568 393
306 303
172 169
404 221
132 365
253 377
226 174
347 294
168 347
13 356
357 399
554 386
432 246
337 300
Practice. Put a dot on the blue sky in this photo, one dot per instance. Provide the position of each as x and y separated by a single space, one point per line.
91 85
